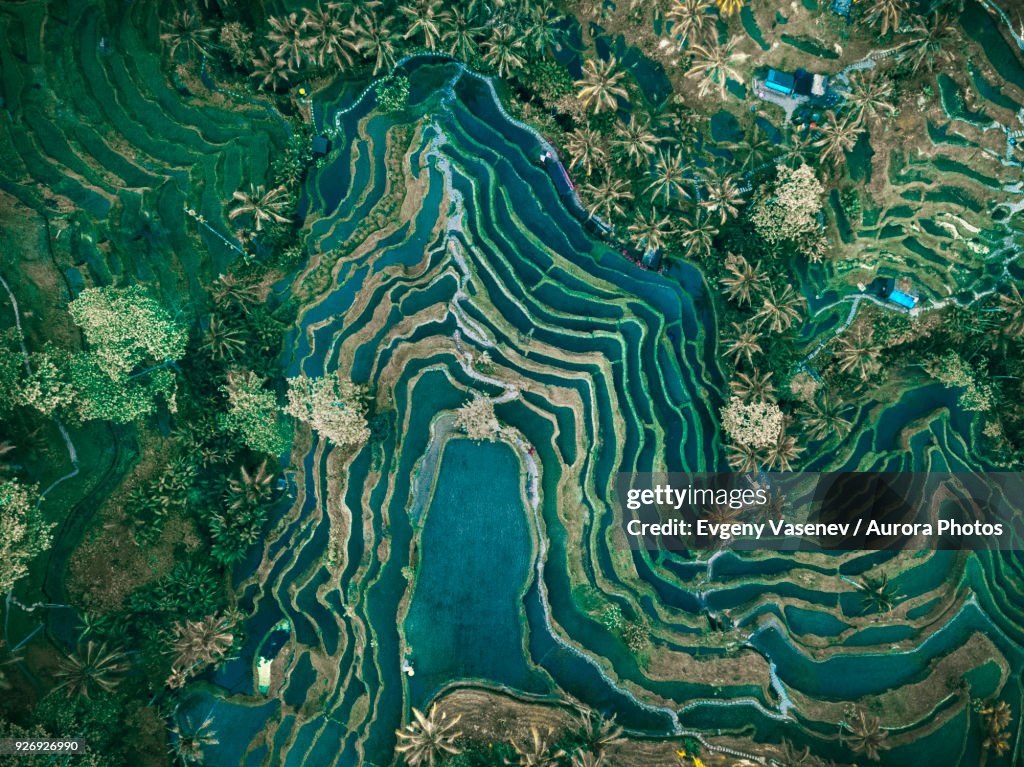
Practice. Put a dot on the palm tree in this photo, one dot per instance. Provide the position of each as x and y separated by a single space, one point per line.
743 280
609 198
690 20
635 140
185 31
871 96
780 311
536 752
858 353
696 236
425 18
877 594
782 453
669 177
272 71
714 64
727 8
251 488
600 86
196 643
650 232
932 39
586 759
502 49
1013 305
189 740
540 32
864 734
743 344
90 670
743 458
824 419
756 386
428 739
799 148
289 34
376 42
595 733
265 206
838 137
584 146
7 448
459 35
722 196
996 718
758 148
886 14
222 341
228 289
332 38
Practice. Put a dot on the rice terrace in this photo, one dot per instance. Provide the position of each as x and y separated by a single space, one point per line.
332 334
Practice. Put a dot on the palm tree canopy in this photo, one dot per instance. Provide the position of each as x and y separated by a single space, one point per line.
601 85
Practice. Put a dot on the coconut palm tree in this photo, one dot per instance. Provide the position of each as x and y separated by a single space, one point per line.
864 734
756 148
264 206
376 42
721 195
871 96
222 341
228 289
744 343
185 32
696 235
536 752
877 594
289 34
756 386
332 38
858 353
781 454
779 311
932 40
649 231
271 71
595 733
540 31
743 280
690 20
609 198
585 147
799 148
727 8
428 739
586 759
743 458
90 670
886 14
838 137
188 740
424 18
1013 306
503 50
196 643
635 140
823 419
713 64
668 177
460 33
251 488
601 86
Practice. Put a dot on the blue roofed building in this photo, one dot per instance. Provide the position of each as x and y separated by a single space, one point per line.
904 300
780 82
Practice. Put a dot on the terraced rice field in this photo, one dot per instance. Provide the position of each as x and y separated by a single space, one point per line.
439 239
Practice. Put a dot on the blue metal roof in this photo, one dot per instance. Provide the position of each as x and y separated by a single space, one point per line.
780 81
901 298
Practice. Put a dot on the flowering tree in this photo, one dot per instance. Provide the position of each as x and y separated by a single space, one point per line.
790 210
23 531
333 406
952 370
754 424
477 419
253 414
125 327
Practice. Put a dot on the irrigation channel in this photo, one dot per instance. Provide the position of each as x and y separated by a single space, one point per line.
425 561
